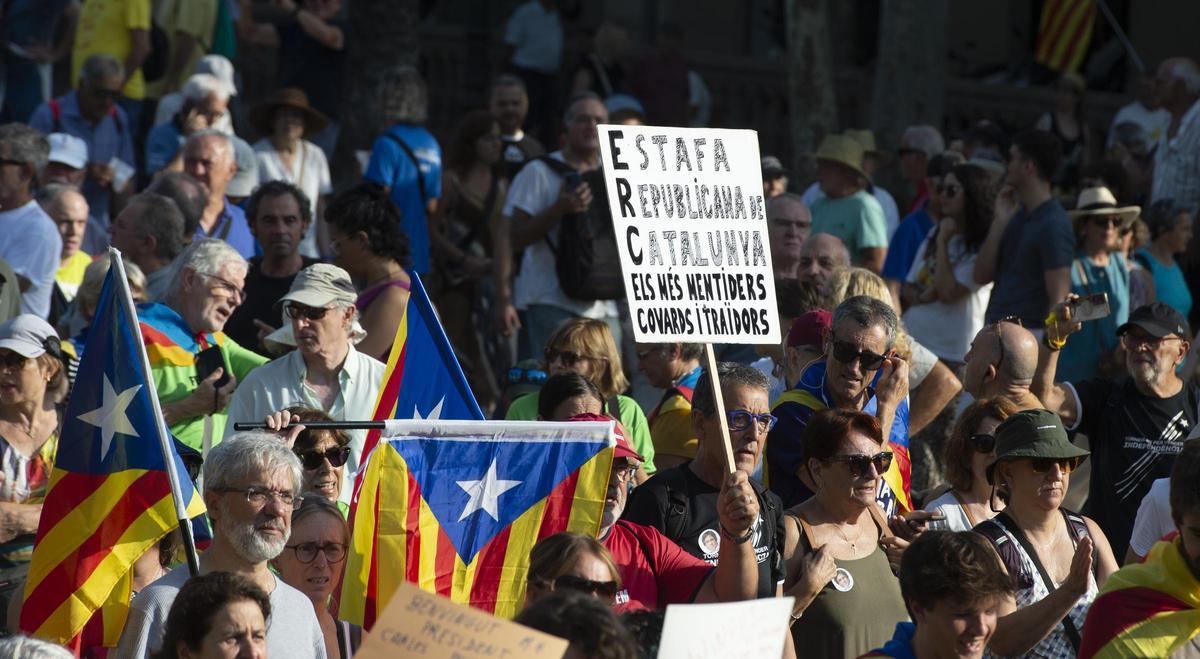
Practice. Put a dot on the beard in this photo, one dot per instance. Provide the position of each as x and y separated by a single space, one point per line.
1145 372
248 543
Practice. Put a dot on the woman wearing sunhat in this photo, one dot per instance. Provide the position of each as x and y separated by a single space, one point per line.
1057 558
283 154
1100 229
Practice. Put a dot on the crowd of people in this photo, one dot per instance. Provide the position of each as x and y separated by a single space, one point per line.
1016 309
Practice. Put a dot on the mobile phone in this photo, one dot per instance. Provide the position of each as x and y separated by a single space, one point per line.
573 180
209 360
1090 307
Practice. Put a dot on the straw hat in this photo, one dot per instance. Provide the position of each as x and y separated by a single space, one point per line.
1100 201
262 117
843 150
866 137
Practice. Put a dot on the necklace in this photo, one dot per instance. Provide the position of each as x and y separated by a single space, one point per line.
853 543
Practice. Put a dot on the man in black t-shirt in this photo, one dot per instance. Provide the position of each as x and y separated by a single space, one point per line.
681 502
278 214
1137 424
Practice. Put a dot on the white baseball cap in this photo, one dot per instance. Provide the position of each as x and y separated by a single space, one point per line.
68 150
27 335
221 68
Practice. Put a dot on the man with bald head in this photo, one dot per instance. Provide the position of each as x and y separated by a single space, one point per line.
1177 159
788 225
820 255
1001 362
208 157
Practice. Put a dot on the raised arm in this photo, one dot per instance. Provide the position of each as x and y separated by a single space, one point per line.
1053 395
1005 208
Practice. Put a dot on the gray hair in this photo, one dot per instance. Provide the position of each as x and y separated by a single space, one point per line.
100 66
206 257
404 95
26 647
26 144
48 195
866 312
226 144
188 194
200 85
162 219
248 455
730 374
923 138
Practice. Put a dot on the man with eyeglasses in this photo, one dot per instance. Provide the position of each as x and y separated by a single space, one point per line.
681 502
206 286
788 224
251 486
324 372
1136 424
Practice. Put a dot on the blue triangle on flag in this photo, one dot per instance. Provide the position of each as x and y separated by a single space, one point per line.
463 489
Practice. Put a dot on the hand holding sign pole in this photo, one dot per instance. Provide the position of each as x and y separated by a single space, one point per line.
690 219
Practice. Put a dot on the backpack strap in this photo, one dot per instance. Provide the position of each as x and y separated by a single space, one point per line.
612 407
676 515
1008 551
562 169
413 157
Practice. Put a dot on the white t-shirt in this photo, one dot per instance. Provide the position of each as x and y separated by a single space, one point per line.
1153 518
310 173
30 242
947 329
891 212
948 506
533 190
536 37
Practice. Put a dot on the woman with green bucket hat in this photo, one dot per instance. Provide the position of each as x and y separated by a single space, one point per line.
1057 558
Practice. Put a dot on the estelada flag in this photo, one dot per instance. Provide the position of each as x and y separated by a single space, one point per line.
109 498
1064 33
455 506
1149 609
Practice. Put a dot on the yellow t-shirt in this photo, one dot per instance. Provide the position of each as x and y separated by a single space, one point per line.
104 27
70 274
672 430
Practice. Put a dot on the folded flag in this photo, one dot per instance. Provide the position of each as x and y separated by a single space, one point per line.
110 497
455 507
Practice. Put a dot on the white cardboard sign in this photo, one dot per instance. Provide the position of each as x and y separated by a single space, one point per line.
687 205
754 628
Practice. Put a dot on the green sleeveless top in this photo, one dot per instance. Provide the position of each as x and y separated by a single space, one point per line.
850 622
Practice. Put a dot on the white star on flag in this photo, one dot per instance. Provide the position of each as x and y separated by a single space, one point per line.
111 417
485 493
435 413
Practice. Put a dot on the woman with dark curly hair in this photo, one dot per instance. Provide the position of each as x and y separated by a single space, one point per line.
944 306
215 613
366 240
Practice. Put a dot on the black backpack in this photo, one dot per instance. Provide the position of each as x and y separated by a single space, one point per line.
586 258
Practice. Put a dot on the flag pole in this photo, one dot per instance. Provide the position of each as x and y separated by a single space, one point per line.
185 523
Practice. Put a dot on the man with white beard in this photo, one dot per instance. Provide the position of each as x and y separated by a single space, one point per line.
251 484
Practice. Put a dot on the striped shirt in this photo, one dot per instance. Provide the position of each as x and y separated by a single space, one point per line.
1177 163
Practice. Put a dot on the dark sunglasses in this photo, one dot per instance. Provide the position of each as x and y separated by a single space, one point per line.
1000 338
604 589
1113 221
983 443
13 361
1043 465
336 456
860 464
740 420
569 359
296 311
110 94
845 353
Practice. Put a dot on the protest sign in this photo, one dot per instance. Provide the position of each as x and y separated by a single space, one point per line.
687 205
755 628
420 624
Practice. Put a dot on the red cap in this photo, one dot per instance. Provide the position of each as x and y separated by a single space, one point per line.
623 449
808 329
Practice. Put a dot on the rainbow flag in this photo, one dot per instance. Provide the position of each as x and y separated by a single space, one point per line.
455 506
110 496
1148 609
1064 32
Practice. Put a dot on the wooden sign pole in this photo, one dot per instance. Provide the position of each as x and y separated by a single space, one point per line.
719 401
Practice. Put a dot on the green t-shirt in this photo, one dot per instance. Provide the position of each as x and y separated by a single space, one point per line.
631 416
857 219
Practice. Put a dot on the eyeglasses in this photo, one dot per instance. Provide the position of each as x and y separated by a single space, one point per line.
569 359
306 552
10 161
845 353
109 94
258 495
603 589
13 361
336 455
1065 465
949 189
1133 342
983 443
860 464
297 311
1113 221
1000 337
624 470
740 420
227 286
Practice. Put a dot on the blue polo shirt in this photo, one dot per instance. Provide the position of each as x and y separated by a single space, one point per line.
1033 243
905 243
109 137
391 167
231 227
162 143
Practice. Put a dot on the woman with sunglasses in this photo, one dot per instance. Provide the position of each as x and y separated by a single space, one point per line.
323 454
571 561
966 455
1170 235
847 597
1098 269
586 346
312 562
1057 558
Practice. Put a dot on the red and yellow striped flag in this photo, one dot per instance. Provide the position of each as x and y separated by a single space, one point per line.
1064 32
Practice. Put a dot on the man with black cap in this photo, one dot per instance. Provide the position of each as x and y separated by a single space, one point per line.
1136 424
774 176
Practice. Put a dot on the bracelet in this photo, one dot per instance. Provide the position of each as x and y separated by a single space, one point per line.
1051 344
796 616
737 540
